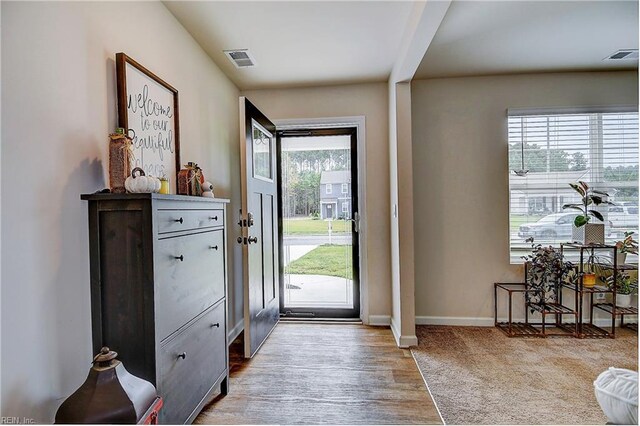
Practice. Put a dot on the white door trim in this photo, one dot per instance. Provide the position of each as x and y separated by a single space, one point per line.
359 123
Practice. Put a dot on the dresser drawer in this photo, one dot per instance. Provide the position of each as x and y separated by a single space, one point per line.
190 363
184 220
189 278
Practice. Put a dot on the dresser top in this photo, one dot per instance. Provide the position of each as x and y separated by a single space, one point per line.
151 196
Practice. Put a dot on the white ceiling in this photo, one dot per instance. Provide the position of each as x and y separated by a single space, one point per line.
299 43
502 37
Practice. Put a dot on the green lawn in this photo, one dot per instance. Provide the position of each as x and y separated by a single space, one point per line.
332 260
314 227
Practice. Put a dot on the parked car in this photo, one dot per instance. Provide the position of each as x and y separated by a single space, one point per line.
623 216
556 225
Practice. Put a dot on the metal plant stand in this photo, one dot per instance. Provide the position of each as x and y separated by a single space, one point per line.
509 327
580 327
586 328
529 328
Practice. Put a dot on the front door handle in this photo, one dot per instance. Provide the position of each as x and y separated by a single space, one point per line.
245 240
356 222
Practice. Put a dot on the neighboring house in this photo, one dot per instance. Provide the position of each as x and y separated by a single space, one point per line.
540 193
335 194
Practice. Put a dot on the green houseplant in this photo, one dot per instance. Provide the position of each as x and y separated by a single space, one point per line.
583 230
626 287
545 270
626 245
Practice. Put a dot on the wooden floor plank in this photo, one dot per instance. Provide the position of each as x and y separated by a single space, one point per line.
324 374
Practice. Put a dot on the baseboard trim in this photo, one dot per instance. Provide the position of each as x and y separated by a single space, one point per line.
236 330
402 341
380 320
489 322
468 321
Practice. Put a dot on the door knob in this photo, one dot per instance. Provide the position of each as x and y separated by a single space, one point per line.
183 355
253 240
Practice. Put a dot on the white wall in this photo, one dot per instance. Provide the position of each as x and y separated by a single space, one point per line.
369 100
461 195
401 200
59 105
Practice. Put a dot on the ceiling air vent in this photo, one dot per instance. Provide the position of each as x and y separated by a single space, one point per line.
623 54
240 58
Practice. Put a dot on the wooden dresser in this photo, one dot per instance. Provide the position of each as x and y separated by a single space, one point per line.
158 293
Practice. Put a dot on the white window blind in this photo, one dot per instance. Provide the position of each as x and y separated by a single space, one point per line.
599 148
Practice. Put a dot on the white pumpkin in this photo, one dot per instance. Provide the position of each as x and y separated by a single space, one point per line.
141 182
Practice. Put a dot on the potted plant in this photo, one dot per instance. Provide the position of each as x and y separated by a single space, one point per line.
591 270
545 270
583 231
626 287
627 245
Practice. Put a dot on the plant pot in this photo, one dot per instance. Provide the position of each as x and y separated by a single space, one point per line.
621 258
588 280
591 233
623 300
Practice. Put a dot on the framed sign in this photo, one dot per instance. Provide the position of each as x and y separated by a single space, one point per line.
148 111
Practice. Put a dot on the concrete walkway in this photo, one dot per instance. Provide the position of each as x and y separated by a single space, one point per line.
323 291
292 253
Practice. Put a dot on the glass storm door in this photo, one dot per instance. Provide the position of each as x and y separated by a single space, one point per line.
318 215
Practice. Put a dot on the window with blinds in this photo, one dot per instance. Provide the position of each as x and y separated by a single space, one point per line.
599 148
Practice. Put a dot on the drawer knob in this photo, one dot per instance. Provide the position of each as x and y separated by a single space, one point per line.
213 218
179 220
253 240
183 355
215 325
180 258
213 247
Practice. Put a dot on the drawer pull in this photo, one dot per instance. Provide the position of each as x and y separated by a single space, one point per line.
213 218
215 325
180 258
213 247
179 220
183 355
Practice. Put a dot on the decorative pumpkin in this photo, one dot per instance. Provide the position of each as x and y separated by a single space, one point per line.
141 182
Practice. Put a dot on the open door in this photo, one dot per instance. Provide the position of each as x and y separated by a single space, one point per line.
259 224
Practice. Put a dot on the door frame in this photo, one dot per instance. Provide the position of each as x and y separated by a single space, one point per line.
357 122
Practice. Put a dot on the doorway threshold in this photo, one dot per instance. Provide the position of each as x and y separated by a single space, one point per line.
320 320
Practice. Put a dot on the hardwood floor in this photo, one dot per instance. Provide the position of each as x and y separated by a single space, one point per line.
324 374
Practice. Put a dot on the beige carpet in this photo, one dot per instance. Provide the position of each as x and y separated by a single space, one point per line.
477 375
